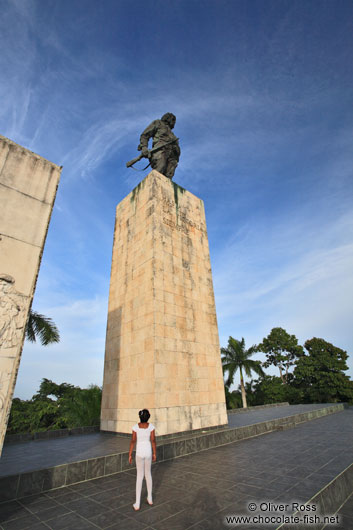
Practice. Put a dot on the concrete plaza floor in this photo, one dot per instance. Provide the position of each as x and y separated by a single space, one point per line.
197 491
39 454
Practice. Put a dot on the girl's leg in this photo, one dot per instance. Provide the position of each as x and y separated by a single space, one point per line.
148 477
139 478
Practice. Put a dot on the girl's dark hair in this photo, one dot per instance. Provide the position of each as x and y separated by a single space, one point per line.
144 416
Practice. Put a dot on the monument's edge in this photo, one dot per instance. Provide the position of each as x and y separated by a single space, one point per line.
11 142
136 188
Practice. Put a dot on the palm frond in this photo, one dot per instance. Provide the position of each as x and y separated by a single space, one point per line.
43 328
253 366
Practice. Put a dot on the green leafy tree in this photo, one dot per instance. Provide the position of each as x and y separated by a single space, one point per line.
270 389
281 350
49 388
83 407
35 415
236 357
320 374
43 411
55 407
233 398
39 326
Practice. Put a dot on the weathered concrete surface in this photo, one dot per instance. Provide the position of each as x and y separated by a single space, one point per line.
162 345
28 185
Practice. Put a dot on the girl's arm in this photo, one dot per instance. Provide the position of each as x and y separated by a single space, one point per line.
154 448
132 445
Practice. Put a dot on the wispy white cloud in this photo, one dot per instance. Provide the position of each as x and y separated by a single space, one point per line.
96 144
78 358
309 292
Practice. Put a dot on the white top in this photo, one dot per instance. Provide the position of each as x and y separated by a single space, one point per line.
143 446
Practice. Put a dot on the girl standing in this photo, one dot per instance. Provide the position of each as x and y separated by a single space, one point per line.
144 434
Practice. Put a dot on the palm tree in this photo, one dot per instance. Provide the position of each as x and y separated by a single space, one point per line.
233 399
39 326
236 356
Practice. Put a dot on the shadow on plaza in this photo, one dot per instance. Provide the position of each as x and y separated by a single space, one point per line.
170 483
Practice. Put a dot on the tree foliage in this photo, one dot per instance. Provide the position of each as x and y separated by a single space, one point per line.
55 407
233 398
34 415
49 388
281 350
236 357
320 373
270 389
84 407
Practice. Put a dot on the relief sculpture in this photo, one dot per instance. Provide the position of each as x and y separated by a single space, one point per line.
5 378
12 321
12 313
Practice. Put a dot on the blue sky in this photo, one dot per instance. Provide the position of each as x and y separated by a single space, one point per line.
262 92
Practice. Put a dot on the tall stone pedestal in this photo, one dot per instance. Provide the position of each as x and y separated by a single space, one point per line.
28 185
162 345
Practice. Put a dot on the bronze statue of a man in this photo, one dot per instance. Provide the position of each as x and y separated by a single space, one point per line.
165 152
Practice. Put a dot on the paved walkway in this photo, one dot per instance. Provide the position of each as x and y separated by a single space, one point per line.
197 491
40 454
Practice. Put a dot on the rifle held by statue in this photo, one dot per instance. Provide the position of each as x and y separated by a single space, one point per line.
150 152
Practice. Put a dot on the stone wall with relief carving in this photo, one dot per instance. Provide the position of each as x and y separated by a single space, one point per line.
28 185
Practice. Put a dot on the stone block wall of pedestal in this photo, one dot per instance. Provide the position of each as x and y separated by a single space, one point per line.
162 345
